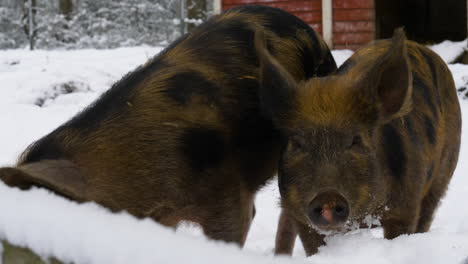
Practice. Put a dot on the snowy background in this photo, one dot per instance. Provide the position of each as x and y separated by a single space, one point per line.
40 90
71 24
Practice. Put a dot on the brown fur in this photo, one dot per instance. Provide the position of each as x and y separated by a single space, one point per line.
382 133
182 137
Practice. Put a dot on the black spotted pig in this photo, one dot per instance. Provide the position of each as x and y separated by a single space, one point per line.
183 136
379 138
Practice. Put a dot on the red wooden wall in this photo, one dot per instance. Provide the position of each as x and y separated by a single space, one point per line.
310 11
353 23
353 20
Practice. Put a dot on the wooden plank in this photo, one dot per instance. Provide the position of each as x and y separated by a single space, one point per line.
353 14
359 38
353 3
351 47
353 26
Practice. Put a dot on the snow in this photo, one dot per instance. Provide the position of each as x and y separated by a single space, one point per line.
341 55
449 50
88 233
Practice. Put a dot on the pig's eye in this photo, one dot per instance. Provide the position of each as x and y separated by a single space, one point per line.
355 141
295 144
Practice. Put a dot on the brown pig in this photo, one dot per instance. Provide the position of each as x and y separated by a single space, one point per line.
183 136
380 138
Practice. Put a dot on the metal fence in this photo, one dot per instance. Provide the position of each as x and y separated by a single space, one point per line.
49 24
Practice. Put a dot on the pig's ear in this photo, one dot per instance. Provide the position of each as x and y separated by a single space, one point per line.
277 86
388 83
60 176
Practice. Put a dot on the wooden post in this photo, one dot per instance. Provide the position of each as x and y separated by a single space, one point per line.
183 28
66 8
196 10
327 22
31 25
217 7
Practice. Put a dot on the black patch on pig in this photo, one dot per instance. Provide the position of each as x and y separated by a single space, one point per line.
432 66
409 125
327 66
394 151
430 62
253 133
284 180
430 130
233 58
430 172
424 89
203 148
277 21
254 138
284 25
46 148
182 86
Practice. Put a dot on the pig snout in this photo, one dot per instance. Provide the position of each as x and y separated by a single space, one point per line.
328 210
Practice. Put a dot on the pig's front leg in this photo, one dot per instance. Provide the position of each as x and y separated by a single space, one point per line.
311 239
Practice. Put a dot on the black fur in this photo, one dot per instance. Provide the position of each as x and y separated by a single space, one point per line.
423 88
278 22
394 152
430 61
254 136
182 86
46 148
430 172
283 181
327 66
203 148
280 98
430 130
225 60
253 131
409 125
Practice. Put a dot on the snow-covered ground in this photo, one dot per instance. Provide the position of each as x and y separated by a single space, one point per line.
40 90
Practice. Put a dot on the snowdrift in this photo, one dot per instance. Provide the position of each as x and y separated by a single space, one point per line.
54 227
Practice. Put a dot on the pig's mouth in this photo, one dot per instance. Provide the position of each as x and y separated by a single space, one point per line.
329 230
368 221
331 227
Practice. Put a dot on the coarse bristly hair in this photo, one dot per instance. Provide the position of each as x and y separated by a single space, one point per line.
182 137
382 132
